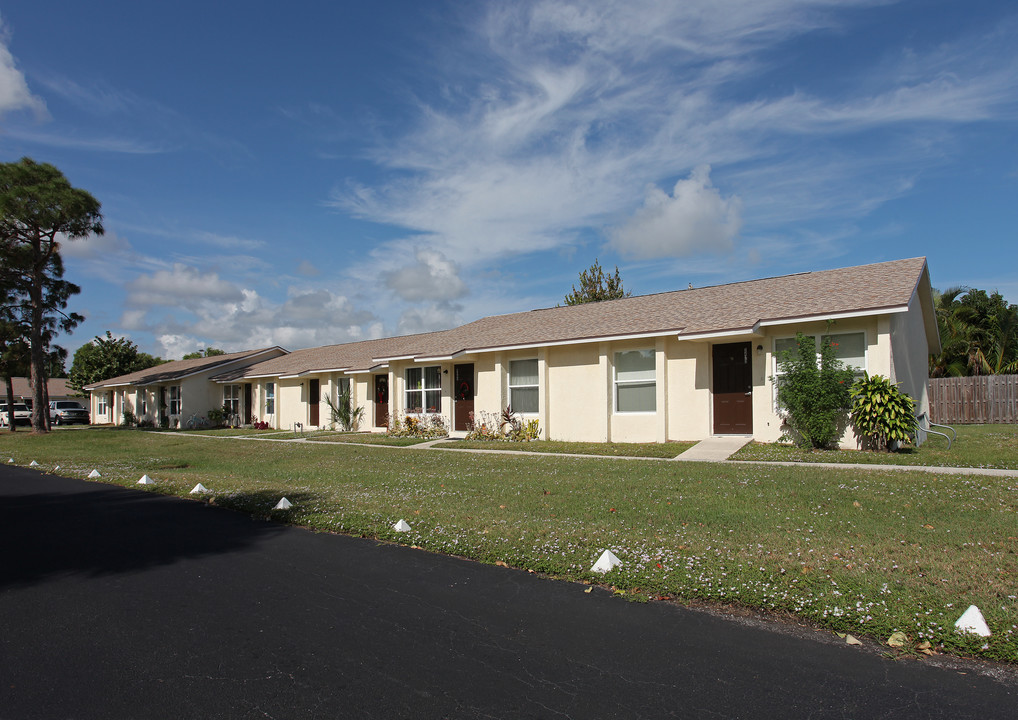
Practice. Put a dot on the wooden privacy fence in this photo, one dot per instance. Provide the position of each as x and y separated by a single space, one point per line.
969 400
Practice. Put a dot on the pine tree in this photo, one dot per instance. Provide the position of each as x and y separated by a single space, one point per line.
38 208
595 286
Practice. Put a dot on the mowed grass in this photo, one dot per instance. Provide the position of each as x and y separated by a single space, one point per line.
977 446
649 450
855 550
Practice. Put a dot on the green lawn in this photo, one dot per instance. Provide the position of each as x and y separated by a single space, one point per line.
649 450
979 446
866 552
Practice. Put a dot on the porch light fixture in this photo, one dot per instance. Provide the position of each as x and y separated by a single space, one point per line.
759 349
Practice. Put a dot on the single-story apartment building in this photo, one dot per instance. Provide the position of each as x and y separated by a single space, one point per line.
172 392
56 389
682 365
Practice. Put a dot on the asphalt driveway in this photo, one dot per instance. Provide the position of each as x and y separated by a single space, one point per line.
121 603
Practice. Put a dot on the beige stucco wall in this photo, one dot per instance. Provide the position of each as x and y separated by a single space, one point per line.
910 355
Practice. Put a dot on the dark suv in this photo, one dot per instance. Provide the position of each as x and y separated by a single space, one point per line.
66 412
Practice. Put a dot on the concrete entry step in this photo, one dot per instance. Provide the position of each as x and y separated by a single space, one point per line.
715 449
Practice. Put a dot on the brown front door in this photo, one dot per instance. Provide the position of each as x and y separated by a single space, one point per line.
382 401
733 389
463 389
248 406
314 398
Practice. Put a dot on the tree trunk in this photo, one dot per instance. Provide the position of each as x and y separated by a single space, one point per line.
10 403
37 365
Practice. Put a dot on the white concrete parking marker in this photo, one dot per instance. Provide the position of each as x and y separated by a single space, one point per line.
401 526
198 489
33 464
606 562
283 504
146 480
94 474
10 460
972 621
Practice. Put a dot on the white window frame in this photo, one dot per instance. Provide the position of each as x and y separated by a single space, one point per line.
142 404
176 400
817 339
231 399
270 398
536 386
423 383
102 406
633 383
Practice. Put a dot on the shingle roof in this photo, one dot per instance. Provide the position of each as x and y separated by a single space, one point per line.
347 356
718 309
181 368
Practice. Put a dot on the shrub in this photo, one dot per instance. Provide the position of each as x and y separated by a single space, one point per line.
344 411
506 426
412 426
129 419
216 416
882 413
815 399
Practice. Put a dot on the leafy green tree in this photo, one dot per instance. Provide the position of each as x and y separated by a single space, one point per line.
815 397
13 362
596 286
207 352
978 333
105 358
39 208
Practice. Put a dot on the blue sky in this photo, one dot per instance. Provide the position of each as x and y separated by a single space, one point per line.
313 173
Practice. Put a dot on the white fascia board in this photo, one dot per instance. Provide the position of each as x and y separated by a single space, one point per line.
835 316
365 371
733 333
386 360
290 377
578 341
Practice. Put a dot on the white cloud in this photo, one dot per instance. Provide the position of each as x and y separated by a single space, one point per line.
186 308
432 277
182 286
559 114
14 92
694 218
429 317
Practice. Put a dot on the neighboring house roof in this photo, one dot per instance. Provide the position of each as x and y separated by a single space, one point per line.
347 356
56 387
179 369
742 307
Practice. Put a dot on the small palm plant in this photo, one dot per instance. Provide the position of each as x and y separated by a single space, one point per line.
344 413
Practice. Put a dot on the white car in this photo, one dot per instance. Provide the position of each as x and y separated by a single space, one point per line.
22 415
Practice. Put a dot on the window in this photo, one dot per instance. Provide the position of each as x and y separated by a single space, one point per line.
635 381
231 399
523 388
142 403
270 398
174 399
850 348
424 389
101 406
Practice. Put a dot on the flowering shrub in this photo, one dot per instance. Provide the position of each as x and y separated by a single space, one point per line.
413 426
506 426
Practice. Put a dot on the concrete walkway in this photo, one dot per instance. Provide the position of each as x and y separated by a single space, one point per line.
715 449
